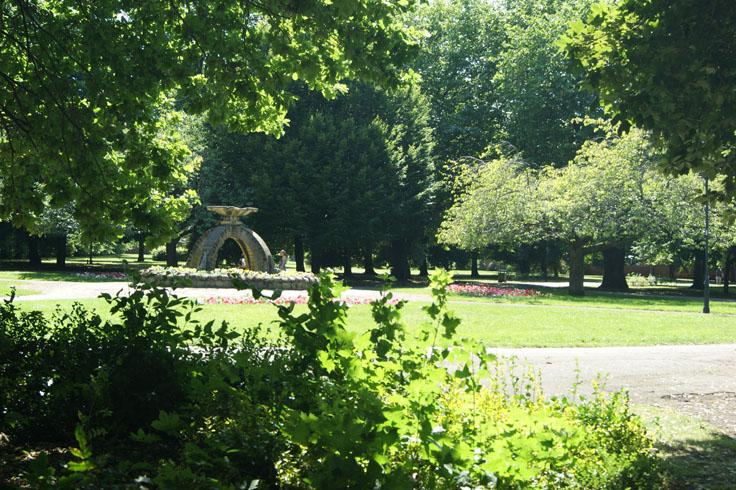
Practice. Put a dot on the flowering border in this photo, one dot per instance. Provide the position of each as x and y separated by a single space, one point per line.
102 276
223 278
299 300
492 291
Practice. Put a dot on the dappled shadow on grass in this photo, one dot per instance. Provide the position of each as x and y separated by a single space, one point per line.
363 281
6 290
703 464
696 455
52 272
112 263
46 276
55 276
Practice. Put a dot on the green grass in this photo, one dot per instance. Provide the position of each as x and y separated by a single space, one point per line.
696 454
594 299
44 276
5 291
505 325
99 262
636 300
114 260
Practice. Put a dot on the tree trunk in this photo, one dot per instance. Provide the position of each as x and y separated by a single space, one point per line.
172 260
347 267
299 253
61 250
698 272
33 256
474 265
400 260
142 250
727 269
545 263
368 262
577 270
314 261
614 275
672 272
424 268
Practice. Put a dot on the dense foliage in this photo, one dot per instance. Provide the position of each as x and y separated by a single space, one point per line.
609 196
86 91
153 399
348 176
496 81
666 66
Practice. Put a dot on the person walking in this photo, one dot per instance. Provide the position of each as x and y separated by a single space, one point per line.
719 275
282 262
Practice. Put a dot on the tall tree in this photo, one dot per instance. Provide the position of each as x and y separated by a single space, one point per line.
57 224
83 89
350 174
497 84
676 235
540 99
667 66
598 202
411 152
457 64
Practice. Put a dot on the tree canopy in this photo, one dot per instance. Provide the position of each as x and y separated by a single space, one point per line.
540 98
89 91
604 199
350 175
493 76
667 66
457 63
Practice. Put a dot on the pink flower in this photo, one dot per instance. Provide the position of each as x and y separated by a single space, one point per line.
479 290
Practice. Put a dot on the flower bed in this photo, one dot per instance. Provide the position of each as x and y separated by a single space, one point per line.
223 278
300 300
102 276
491 291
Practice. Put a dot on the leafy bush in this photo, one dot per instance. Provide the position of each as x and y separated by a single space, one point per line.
159 253
635 279
117 375
154 399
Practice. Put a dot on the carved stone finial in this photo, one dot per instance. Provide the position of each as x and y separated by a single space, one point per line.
231 214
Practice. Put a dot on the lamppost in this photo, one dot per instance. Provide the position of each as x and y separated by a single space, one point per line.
706 282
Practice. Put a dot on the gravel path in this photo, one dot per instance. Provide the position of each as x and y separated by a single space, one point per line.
697 380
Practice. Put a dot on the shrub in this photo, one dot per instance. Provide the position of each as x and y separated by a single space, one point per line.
635 279
185 405
159 253
116 374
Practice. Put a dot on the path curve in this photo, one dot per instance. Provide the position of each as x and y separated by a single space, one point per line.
697 380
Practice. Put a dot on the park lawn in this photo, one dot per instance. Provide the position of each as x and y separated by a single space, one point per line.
116 262
591 299
49 276
504 325
5 291
695 453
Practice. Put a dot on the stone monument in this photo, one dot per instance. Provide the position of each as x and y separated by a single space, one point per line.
255 251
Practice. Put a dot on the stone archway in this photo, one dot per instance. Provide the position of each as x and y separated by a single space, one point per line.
255 251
